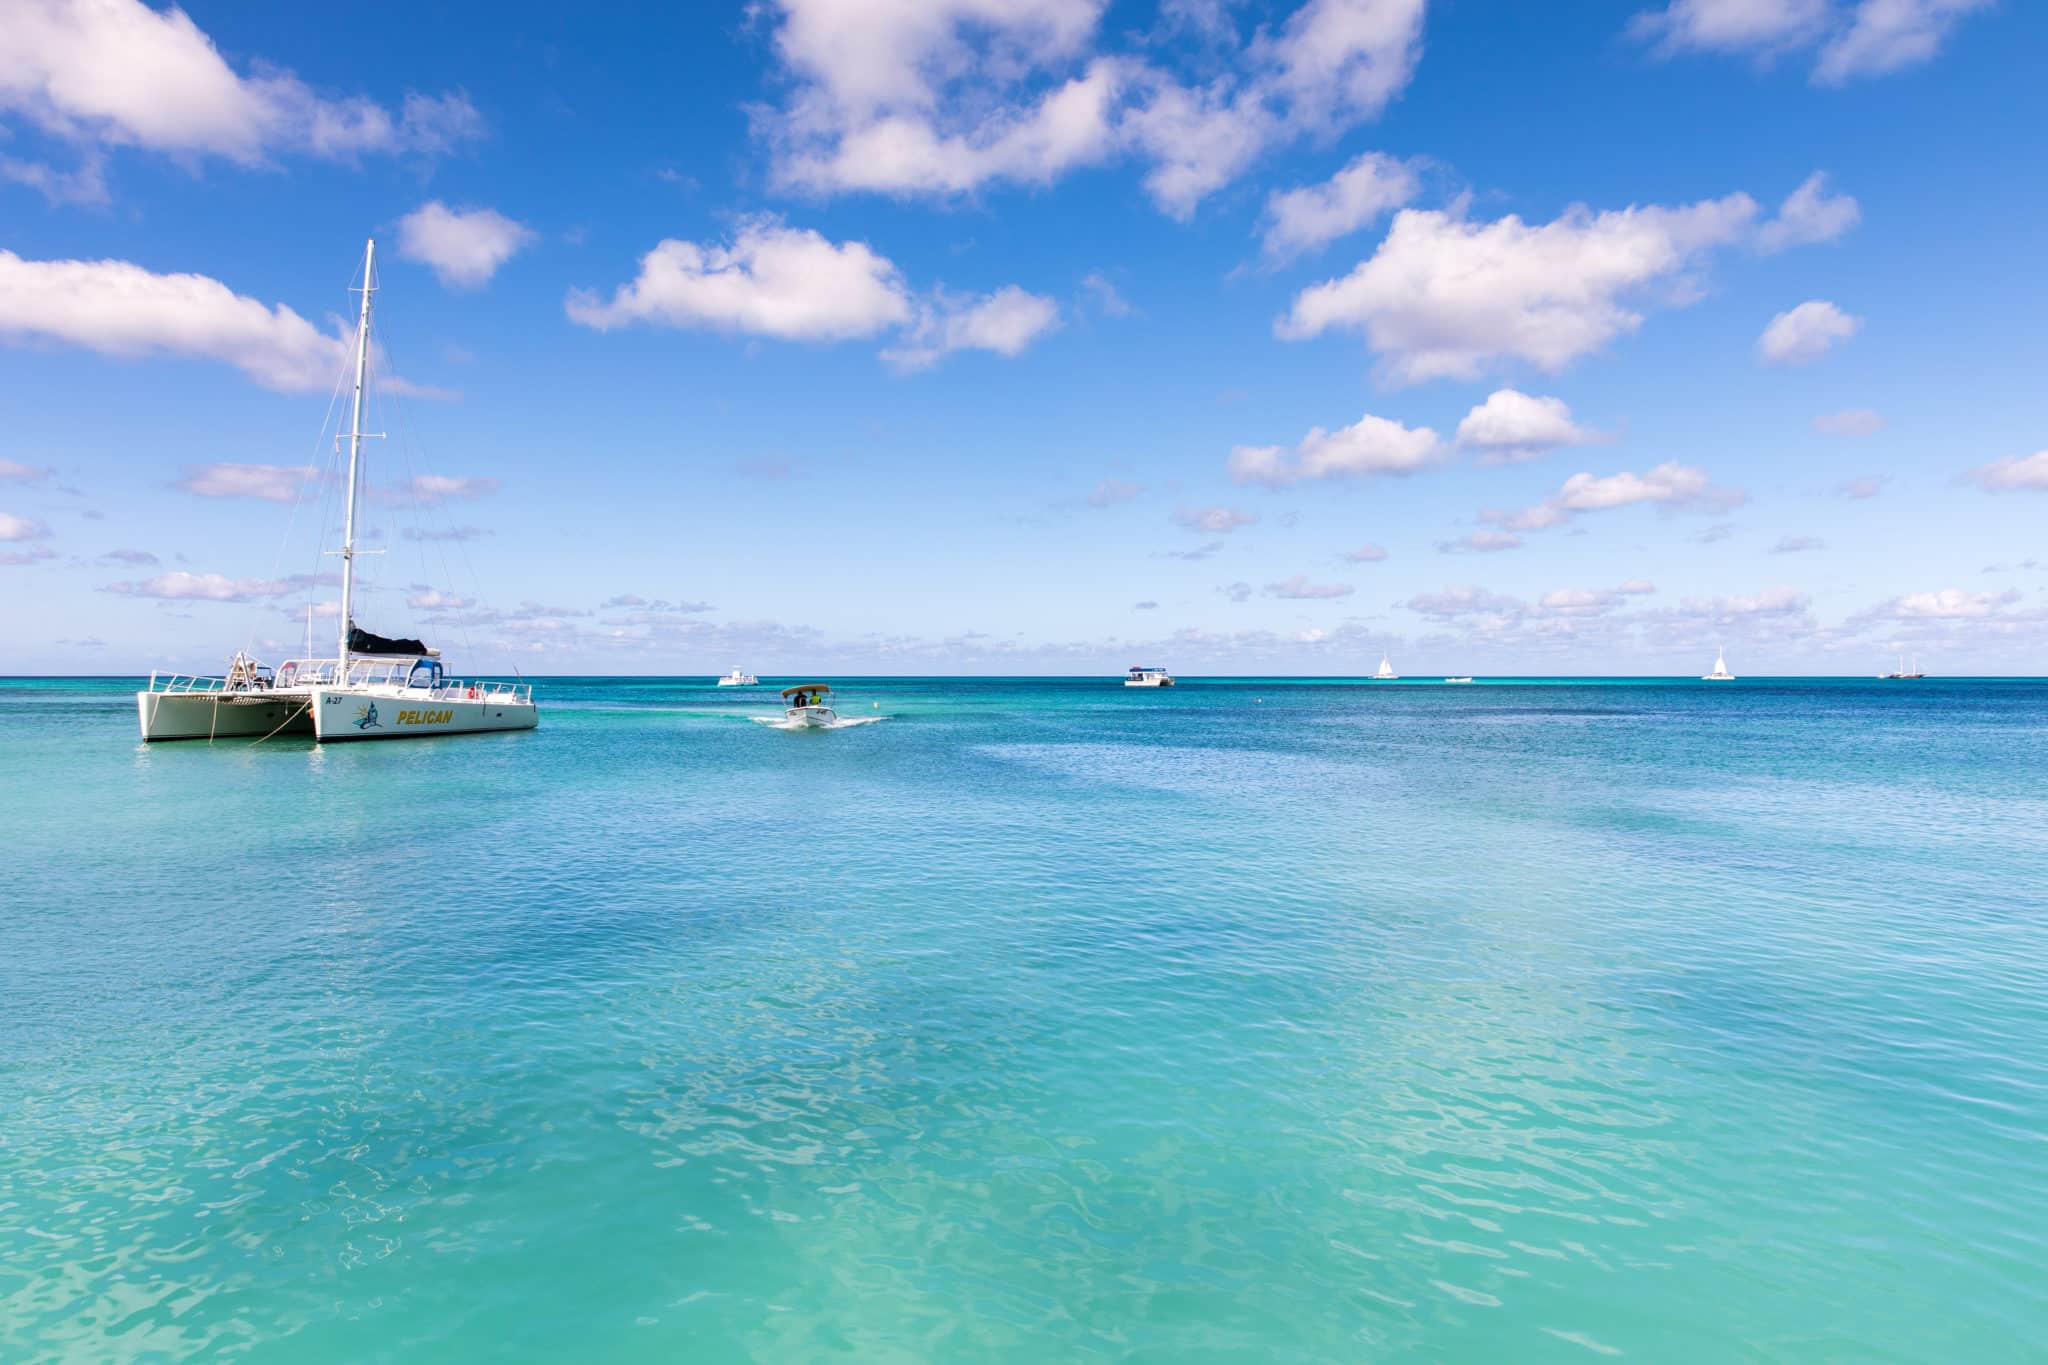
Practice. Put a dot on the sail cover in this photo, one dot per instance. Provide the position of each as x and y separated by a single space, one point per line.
361 641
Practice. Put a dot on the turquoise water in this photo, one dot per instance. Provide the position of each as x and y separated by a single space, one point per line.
1264 1021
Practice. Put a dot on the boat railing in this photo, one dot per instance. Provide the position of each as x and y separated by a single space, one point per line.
294 674
185 682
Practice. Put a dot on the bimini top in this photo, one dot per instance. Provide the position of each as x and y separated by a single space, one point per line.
806 687
1146 668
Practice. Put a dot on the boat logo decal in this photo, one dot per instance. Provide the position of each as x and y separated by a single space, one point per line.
366 719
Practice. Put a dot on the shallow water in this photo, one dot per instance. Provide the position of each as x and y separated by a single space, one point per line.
1048 1021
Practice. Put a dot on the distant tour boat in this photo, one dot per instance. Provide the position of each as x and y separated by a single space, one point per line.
373 687
1902 675
809 704
739 677
1720 673
1451 680
1386 673
1140 676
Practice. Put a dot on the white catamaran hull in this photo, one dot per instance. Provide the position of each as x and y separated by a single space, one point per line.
215 715
340 714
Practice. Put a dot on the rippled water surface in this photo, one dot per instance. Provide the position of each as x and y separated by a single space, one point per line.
1256 1021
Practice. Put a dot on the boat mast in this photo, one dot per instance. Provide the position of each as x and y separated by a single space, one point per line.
355 455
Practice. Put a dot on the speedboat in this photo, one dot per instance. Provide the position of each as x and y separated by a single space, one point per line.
1457 680
1720 673
739 677
808 704
1140 676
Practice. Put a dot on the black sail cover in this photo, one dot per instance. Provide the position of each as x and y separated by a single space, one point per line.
360 641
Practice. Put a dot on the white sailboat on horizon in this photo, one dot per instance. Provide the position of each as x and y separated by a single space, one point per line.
373 687
1386 673
1720 673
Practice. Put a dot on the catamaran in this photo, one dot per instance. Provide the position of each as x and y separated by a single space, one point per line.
1386 673
739 677
1720 673
1142 676
373 688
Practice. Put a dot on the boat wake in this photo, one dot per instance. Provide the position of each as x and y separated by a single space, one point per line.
843 723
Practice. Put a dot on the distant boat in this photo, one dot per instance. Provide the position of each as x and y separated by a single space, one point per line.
1386 673
739 677
1140 676
1720 673
1450 680
1902 675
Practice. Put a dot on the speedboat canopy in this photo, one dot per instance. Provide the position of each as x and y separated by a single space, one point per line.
806 687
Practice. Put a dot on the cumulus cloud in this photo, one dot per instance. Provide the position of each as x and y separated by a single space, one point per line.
2014 473
1366 554
1371 445
116 73
1005 322
1110 492
1592 601
464 247
424 598
1802 335
1444 297
429 490
1809 216
944 96
1483 541
770 280
12 471
121 309
1780 601
1368 187
1873 38
1947 604
137 557
796 285
1464 599
13 528
1216 520
1670 485
1849 422
1299 589
266 482
1511 426
180 586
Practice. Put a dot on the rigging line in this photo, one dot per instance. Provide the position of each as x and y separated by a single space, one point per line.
404 444
299 493
304 708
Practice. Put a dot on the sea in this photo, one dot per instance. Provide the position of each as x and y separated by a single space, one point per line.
1038 1020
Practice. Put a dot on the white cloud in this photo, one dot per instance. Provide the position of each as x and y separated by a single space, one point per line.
433 599
431 489
941 97
13 528
2014 473
1104 292
1443 297
1464 599
1110 492
1804 334
1732 25
771 280
1849 422
465 247
180 586
120 309
1299 589
1862 487
1792 545
1005 322
268 482
1511 426
1483 541
1366 554
1670 484
1809 215
1878 37
1592 601
118 73
1887 35
1302 219
1948 604
1371 445
15 471
1216 520
794 284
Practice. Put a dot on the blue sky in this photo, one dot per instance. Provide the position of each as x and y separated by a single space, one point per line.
978 336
